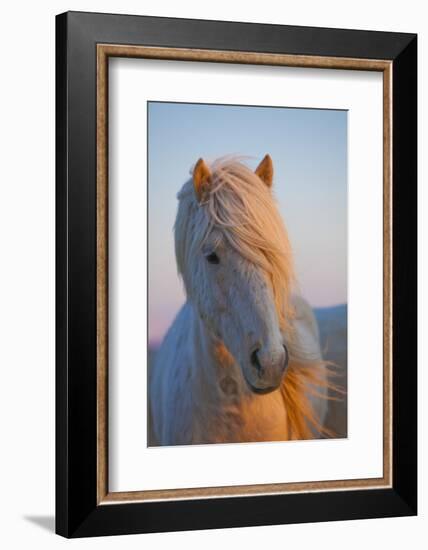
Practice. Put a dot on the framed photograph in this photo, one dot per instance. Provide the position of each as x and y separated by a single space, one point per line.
236 274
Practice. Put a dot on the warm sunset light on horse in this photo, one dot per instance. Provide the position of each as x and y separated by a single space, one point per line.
242 360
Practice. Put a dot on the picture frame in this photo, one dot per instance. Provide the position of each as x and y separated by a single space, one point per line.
84 44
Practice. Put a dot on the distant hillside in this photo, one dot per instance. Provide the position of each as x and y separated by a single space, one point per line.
333 327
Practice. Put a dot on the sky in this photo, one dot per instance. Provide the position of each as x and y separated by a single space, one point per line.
309 152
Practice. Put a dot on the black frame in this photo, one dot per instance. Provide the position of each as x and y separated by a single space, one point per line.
77 513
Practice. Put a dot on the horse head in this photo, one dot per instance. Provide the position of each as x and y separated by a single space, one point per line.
234 256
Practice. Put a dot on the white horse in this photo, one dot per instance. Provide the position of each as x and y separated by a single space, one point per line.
242 360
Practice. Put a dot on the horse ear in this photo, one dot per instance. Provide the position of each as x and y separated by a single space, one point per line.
265 170
201 177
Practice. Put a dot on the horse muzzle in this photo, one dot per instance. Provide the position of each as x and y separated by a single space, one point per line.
267 369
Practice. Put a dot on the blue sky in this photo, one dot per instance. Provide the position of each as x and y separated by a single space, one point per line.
309 152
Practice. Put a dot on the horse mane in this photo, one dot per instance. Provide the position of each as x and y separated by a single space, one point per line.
302 381
243 210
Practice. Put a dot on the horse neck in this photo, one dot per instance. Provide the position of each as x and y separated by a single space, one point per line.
211 362
224 410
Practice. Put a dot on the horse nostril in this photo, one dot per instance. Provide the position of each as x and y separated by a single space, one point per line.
255 360
286 357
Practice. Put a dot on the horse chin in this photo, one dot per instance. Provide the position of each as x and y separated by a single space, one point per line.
261 391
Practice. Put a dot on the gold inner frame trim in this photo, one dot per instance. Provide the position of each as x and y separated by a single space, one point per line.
104 51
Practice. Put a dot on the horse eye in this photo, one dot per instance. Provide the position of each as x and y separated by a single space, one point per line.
212 258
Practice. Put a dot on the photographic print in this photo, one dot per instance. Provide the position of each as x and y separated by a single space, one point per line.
234 251
247 273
